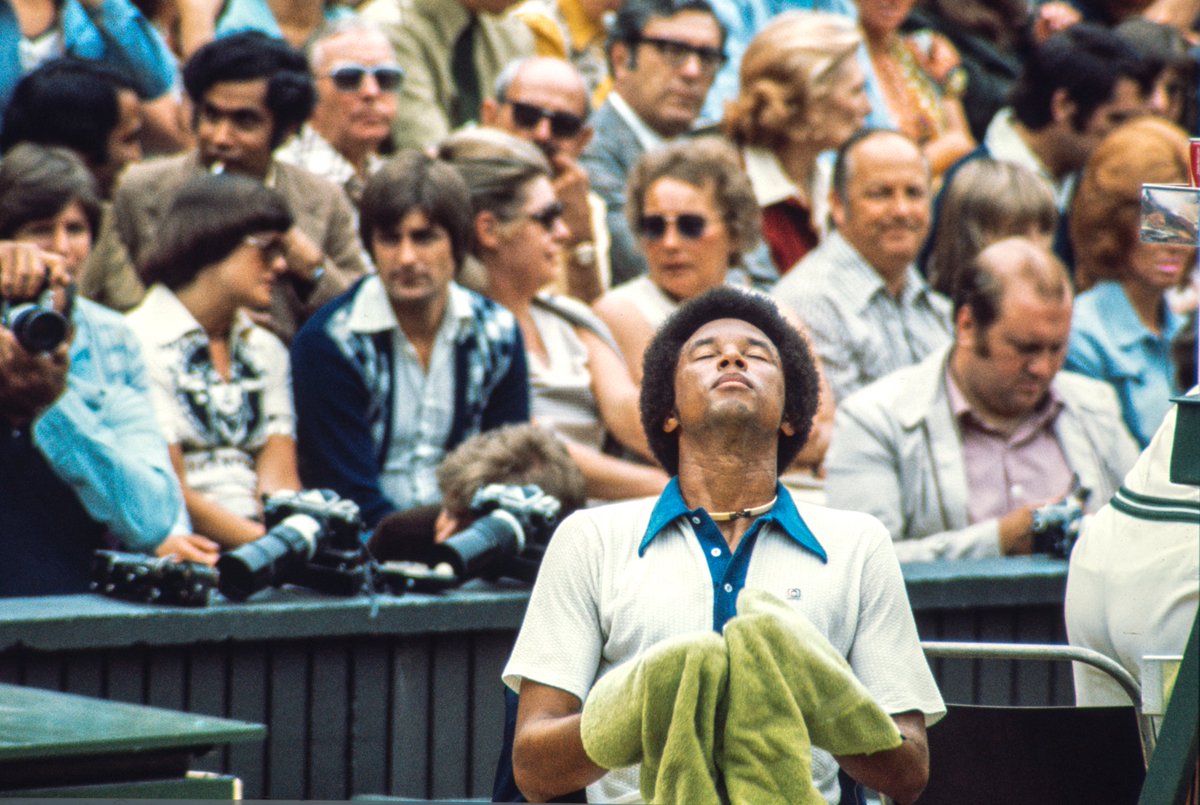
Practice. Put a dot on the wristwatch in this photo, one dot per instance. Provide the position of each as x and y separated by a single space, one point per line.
584 254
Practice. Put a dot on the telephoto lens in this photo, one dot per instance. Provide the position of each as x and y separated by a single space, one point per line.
482 545
37 329
269 560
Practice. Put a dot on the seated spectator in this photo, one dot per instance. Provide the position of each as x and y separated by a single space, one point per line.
1165 52
1075 87
250 94
86 106
407 364
581 386
989 200
802 92
296 23
922 79
82 457
511 454
451 52
545 101
696 214
357 81
1123 326
658 90
1134 580
575 31
111 31
868 310
954 454
219 382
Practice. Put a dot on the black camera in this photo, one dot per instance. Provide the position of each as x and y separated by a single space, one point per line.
509 537
1056 525
313 539
152 580
36 326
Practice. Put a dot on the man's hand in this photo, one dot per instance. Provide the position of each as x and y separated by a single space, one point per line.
571 185
189 548
26 270
1016 531
304 257
1051 18
29 384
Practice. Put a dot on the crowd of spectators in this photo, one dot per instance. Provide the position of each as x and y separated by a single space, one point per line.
347 240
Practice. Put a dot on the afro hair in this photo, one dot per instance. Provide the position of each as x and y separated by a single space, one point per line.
801 387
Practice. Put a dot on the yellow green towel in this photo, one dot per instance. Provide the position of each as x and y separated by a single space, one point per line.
733 718
663 709
789 690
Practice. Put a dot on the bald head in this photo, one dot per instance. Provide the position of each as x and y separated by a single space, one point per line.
543 100
1007 265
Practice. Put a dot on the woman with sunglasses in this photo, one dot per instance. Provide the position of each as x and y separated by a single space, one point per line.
695 213
220 383
581 387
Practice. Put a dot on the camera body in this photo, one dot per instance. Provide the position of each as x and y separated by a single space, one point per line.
313 539
152 580
509 537
36 326
1056 527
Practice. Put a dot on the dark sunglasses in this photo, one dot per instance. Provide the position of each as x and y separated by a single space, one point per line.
676 53
349 77
562 124
547 215
689 225
271 247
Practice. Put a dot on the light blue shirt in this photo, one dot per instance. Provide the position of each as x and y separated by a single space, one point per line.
256 15
102 439
1110 343
116 34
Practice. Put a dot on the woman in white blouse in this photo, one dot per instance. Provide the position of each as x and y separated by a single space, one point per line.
220 383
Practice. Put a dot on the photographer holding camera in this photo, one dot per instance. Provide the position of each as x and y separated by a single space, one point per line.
82 459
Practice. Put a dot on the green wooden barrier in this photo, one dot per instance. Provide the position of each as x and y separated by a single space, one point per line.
1173 766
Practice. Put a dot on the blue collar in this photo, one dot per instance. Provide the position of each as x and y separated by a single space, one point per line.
670 507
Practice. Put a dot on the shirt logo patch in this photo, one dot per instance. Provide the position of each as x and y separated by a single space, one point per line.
793 594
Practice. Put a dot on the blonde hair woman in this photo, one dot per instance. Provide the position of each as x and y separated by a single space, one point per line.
802 92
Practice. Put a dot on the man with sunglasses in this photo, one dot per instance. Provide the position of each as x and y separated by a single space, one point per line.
358 81
664 56
451 52
545 101
249 93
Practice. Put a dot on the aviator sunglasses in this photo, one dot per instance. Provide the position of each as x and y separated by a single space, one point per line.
547 215
562 124
349 77
689 225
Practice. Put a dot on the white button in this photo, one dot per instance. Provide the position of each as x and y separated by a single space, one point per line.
716 551
696 520
728 588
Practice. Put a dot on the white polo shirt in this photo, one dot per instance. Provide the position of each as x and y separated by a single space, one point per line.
608 590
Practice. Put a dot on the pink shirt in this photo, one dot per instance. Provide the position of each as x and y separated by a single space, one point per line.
1005 471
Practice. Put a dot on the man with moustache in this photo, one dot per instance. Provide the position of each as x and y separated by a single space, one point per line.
954 453
544 100
664 55
357 80
250 93
868 310
404 366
